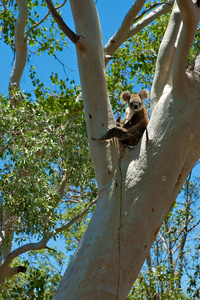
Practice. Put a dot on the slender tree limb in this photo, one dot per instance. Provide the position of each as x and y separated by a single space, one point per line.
7 224
122 33
161 10
20 47
165 59
170 255
59 20
126 30
63 185
148 10
43 19
65 227
164 242
149 263
36 25
2 232
194 226
180 255
42 244
4 6
187 8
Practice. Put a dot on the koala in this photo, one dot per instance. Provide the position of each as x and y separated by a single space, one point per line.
130 129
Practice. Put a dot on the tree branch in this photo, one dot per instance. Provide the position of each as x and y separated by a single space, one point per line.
165 57
42 244
59 20
63 185
65 227
170 254
41 21
150 8
126 30
36 25
187 9
20 47
162 9
122 33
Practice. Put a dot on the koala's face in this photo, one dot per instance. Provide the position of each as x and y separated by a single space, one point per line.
135 102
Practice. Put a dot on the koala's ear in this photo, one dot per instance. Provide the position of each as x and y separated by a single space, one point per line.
144 94
125 96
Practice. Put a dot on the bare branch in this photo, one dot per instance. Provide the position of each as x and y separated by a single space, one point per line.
194 226
170 247
4 6
149 264
59 20
164 242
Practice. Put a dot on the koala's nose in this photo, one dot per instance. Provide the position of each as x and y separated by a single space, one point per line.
136 106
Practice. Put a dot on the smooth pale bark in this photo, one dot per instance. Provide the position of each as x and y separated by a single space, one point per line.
21 49
159 11
127 29
165 59
137 187
122 33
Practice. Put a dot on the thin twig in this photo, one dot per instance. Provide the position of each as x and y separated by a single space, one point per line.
41 21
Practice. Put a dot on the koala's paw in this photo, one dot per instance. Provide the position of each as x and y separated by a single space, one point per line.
98 140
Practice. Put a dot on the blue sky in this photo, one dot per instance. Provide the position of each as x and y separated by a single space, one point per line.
111 14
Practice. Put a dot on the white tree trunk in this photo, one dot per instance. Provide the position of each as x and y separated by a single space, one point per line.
21 51
137 187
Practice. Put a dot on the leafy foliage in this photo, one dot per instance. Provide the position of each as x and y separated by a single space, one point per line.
44 138
37 147
41 279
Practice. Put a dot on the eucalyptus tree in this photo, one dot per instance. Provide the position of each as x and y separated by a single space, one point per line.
136 187
171 268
